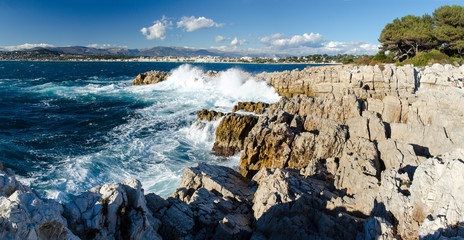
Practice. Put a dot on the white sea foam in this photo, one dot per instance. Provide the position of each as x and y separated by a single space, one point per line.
161 139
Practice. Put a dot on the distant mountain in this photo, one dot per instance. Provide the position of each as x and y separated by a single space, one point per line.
148 52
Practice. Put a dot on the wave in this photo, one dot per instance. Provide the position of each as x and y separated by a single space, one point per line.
155 137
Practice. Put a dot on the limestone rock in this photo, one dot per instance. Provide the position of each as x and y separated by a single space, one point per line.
223 180
397 155
269 144
231 133
150 77
359 166
114 210
24 215
338 110
437 195
257 108
337 81
215 202
358 127
287 205
205 115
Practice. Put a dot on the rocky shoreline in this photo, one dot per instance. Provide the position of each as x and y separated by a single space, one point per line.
347 153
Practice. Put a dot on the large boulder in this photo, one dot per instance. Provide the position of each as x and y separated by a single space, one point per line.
24 215
289 206
150 77
112 211
257 108
211 115
427 203
212 202
231 133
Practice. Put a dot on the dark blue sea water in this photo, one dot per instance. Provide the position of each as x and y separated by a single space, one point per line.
68 126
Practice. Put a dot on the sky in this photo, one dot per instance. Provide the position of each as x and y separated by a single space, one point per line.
293 27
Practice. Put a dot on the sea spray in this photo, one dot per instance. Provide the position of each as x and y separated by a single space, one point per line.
85 125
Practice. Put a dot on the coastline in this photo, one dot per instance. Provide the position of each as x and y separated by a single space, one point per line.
358 177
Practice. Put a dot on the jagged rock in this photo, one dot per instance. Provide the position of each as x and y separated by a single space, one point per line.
114 210
258 108
289 206
328 108
437 196
377 228
24 215
150 77
358 168
433 139
358 127
291 141
337 81
391 109
231 133
212 74
397 155
377 129
223 180
427 203
215 203
205 115
268 144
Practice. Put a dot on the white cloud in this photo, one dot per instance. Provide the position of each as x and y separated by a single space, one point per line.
190 24
237 42
220 38
157 30
25 46
353 47
313 43
280 41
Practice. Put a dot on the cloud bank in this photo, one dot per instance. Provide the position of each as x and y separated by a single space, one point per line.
278 40
313 43
25 46
190 24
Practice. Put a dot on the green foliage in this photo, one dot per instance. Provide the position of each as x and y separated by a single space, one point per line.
449 29
348 61
408 35
427 58
383 58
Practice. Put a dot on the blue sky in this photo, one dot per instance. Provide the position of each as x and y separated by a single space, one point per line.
296 27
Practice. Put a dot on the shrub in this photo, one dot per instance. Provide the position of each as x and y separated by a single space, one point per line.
381 57
426 58
364 61
348 61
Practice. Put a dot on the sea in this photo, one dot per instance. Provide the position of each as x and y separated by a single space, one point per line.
66 127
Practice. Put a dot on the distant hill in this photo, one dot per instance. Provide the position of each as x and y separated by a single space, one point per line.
149 52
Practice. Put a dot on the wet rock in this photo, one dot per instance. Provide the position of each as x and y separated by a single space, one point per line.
151 77
205 115
231 133
257 108
24 215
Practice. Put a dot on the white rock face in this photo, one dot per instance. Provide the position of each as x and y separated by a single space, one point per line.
114 210
437 193
288 205
215 203
23 215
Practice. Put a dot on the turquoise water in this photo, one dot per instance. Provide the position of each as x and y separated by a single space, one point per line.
69 126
